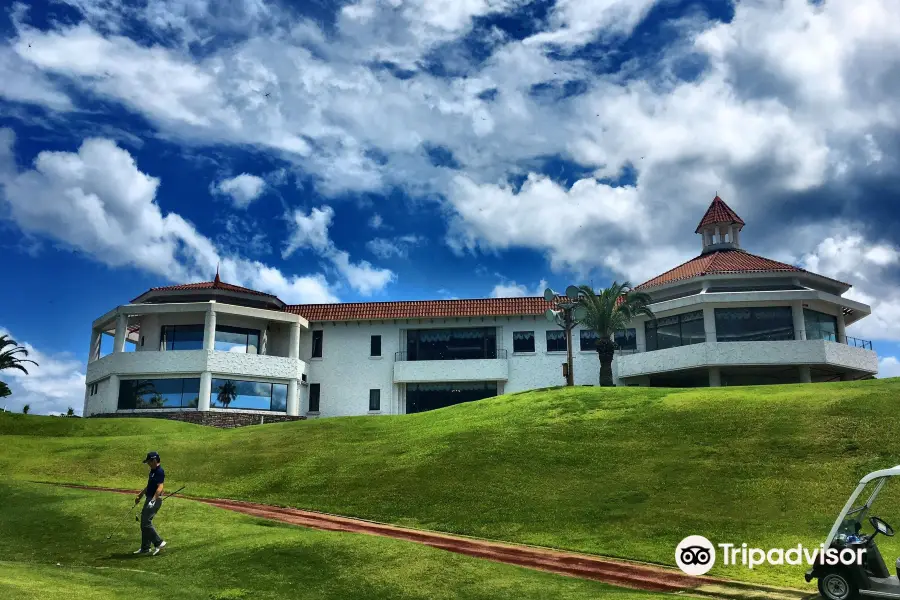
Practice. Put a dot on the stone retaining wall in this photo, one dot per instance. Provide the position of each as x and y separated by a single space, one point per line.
226 420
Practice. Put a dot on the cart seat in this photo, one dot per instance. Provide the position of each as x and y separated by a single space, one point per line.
897 565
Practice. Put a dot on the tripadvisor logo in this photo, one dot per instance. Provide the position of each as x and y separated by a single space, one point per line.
696 555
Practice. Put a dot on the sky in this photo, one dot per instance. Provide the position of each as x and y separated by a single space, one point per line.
427 149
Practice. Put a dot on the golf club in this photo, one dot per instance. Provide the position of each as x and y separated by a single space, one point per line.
119 524
138 518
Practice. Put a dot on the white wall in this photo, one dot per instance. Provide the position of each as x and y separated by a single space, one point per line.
346 372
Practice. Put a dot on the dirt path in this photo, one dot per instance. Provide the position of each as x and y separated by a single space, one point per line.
616 572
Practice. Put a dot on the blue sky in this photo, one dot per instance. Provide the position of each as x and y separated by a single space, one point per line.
415 149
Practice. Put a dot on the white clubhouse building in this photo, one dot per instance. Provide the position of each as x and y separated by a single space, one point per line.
726 317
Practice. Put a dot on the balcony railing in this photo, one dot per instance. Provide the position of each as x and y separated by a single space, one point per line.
500 353
813 334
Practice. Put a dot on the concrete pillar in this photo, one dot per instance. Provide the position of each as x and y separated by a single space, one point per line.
209 328
121 330
94 352
715 377
805 374
293 400
709 323
640 336
294 349
737 236
799 321
205 389
87 389
112 394
841 327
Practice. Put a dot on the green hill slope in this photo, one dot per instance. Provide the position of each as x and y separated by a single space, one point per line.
624 472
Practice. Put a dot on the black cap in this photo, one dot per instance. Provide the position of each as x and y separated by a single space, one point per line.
151 456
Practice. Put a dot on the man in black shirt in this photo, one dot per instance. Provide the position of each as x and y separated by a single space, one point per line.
153 503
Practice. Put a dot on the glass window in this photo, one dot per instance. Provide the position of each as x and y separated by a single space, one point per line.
181 337
317 343
158 393
249 395
452 344
314 392
588 339
237 339
692 330
523 341
374 400
556 340
626 339
820 326
375 346
754 324
668 332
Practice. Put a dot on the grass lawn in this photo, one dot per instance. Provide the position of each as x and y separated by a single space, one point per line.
215 554
623 472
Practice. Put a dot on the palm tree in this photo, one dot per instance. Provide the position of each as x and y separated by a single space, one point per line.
607 312
8 358
227 393
26 408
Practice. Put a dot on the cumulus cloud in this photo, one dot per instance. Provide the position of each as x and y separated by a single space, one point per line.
399 246
51 387
310 231
888 366
243 189
511 289
97 200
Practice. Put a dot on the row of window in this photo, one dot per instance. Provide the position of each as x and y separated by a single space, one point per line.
185 393
227 339
523 341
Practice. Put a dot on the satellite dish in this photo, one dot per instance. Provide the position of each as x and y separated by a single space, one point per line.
549 295
573 292
580 313
551 315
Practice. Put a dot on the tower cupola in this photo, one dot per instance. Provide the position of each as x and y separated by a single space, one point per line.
720 227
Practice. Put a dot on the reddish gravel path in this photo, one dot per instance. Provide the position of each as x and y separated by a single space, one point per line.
615 572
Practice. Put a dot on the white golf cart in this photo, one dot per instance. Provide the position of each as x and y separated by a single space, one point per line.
871 579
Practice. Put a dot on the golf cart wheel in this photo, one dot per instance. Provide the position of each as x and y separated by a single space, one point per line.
837 585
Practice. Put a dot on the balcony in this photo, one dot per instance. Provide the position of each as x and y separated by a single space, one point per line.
192 362
855 355
494 367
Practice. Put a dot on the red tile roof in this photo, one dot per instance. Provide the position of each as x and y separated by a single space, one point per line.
208 285
721 262
421 309
719 212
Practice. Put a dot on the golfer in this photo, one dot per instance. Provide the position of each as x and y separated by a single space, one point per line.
152 504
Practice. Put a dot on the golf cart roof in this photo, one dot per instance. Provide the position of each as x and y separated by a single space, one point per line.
893 471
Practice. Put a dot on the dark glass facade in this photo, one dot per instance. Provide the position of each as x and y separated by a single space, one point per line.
158 393
774 323
820 326
451 344
674 331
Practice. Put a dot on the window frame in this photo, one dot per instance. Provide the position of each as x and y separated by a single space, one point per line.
317 388
785 310
651 330
592 341
524 339
245 331
164 340
375 400
318 335
561 340
214 387
372 343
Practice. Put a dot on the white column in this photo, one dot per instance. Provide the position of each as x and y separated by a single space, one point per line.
94 352
709 323
112 394
737 236
640 336
799 322
715 377
87 389
841 327
264 340
294 350
209 328
293 400
805 374
121 330
205 389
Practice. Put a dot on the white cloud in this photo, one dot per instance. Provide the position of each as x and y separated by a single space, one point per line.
23 82
97 200
54 385
376 221
243 189
310 230
888 366
577 22
847 256
510 289
399 246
